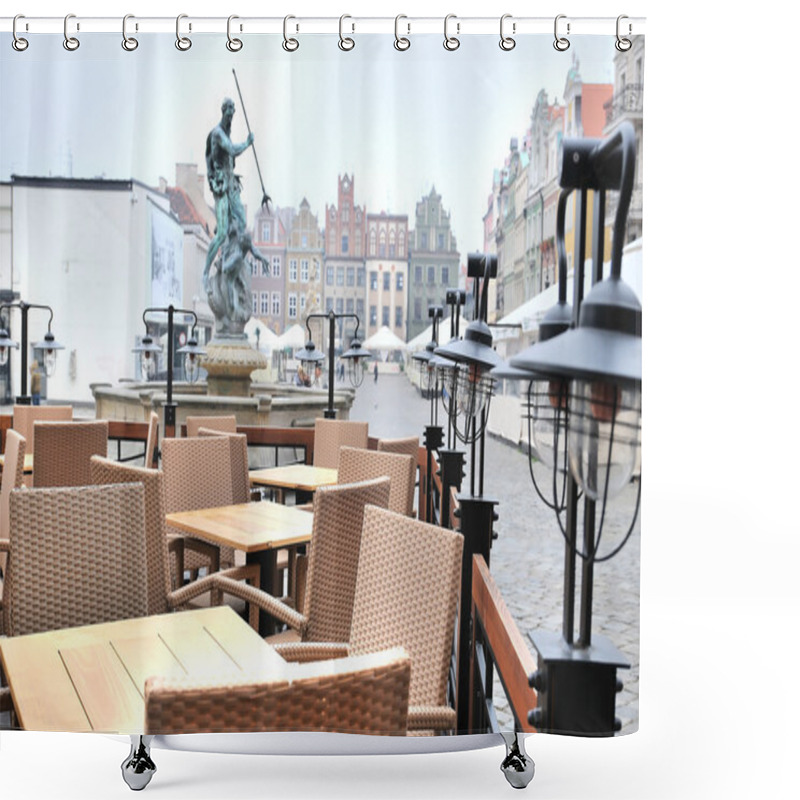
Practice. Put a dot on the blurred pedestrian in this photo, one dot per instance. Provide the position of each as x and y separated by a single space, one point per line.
375 372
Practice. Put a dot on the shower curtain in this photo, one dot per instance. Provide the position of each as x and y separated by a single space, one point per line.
360 180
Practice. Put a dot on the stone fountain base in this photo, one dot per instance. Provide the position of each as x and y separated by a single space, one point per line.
230 361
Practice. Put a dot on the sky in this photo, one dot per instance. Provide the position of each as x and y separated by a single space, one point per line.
404 124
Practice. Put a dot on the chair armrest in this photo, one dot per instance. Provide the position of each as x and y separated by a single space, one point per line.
311 651
438 718
259 599
5 546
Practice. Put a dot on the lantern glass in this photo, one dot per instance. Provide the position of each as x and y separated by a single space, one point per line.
148 363
356 369
3 356
604 436
548 414
50 362
191 366
473 389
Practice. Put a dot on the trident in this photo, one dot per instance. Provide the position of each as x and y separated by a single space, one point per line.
266 198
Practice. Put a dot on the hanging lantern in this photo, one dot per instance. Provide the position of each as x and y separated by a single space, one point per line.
6 343
310 362
191 359
356 362
148 351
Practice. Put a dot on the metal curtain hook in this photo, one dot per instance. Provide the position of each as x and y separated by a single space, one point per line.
289 44
451 42
19 44
128 42
507 42
622 44
182 42
70 42
345 42
401 42
561 43
234 45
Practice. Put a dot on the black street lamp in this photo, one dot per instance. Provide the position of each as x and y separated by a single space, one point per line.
149 350
593 372
312 359
48 344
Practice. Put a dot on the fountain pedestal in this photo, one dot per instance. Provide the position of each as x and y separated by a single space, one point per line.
230 360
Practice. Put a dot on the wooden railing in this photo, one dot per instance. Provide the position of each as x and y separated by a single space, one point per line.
497 645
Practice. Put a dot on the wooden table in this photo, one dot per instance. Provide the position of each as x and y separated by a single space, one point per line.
259 529
92 678
300 477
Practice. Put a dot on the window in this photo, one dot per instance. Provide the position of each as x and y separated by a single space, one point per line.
293 270
264 304
361 276
373 315
417 309
266 231
328 305
255 302
304 241
387 278
254 268
445 276
382 245
276 266
373 280
398 316
349 305
423 241
392 245
417 275
276 304
302 303
440 241
360 310
340 305
385 316
340 276
304 271
351 276
372 242
292 305
399 282
431 275
329 276
345 244
264 270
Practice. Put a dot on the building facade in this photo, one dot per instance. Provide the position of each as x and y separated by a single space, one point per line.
268 285
387 273
433 261
304 254
345 275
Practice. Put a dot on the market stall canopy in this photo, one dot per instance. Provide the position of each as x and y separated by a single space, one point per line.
382 341
260 335
294 337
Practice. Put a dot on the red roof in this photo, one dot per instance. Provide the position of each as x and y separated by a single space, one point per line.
594 96
183 207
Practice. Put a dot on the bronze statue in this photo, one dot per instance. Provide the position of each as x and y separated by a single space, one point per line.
229 288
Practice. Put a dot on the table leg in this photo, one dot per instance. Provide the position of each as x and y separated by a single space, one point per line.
138 768
266 562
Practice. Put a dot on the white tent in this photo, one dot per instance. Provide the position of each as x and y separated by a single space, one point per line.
383 341
260 335
294 337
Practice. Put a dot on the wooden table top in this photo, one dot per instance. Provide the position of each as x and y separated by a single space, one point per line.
27 465
92 678
247 526
303 477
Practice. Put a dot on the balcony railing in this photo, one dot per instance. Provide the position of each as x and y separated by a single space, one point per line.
628 101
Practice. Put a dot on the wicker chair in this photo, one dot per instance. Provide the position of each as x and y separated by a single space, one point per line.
408 445
363 695
13 466
197 474
360 465
409 578
221 424
240 471
151 448
61 451
332 566
160 596
331 434
24 417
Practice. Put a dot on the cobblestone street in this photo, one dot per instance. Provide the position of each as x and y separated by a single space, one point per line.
527 559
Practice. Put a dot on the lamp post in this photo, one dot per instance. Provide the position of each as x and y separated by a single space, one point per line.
149 350
310 358
48 344
594 374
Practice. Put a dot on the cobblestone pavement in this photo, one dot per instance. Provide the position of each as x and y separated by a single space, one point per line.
527 559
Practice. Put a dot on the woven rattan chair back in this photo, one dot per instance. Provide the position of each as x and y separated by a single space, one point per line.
105 471
240 471
409 578
408 446
61 451
24 416
77 557
13 470
360 465
197 474
152 441
331 434
333 556
364 695
221 424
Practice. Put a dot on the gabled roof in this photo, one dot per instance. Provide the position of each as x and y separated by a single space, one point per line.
183 208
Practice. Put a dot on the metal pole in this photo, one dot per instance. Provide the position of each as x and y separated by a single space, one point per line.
23 359
331 412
